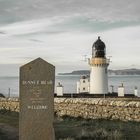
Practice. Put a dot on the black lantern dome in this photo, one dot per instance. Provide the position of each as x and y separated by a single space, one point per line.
98 48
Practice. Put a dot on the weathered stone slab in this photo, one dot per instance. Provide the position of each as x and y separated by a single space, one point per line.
37 101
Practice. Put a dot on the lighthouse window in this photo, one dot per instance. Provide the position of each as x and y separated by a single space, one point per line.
83 88
83 81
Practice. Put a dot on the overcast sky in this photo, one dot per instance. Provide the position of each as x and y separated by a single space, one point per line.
62 31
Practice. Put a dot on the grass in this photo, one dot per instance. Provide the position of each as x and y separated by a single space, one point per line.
67 128
10 120
80 129
9 117
2 136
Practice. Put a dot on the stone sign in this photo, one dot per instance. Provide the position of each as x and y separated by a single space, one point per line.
37 101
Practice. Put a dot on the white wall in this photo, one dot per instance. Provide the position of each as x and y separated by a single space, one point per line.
136 93
59 91
78 87
121 91
83 85
98 80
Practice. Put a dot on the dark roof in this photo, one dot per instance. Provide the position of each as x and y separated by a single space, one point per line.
99 44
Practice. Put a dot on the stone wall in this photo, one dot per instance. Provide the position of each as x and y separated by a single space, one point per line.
89 108
11 105
94 108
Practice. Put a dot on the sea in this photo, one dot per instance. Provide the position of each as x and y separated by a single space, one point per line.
11 84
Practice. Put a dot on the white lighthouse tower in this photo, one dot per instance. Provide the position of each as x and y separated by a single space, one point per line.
99 64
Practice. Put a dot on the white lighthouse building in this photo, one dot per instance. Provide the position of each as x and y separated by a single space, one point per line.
83 85
98 64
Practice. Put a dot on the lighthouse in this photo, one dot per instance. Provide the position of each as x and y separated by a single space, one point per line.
99 64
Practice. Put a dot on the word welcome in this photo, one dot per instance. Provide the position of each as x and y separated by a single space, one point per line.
37 107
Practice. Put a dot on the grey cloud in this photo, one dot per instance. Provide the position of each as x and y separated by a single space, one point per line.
80 24
88 25
36 40
45 32
104 10
62 25
24 58
9 69
2 32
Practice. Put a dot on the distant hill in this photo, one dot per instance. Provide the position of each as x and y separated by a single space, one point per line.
110 72
78 72
124 72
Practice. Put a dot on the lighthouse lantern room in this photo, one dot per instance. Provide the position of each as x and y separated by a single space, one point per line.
99 64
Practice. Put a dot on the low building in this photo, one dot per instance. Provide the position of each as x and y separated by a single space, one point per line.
121 91
59 89
83 85
136 93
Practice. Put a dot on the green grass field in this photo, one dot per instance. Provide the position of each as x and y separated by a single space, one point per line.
80 129
9 117
67 128
9 125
